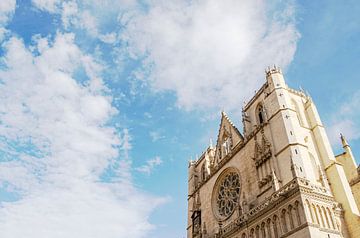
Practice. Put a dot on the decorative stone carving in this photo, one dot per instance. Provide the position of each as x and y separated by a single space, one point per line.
262 151
227 194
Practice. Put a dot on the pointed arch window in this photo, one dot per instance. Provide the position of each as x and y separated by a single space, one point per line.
260 114
196 222
203 172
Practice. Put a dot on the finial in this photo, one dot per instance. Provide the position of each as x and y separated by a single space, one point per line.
301 89
211 143
191 162
343 140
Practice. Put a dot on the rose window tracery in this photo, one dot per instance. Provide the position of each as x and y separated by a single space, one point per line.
227 195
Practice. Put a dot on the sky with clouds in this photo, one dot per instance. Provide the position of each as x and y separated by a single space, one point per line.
102 103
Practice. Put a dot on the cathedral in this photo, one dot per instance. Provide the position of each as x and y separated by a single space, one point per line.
278 178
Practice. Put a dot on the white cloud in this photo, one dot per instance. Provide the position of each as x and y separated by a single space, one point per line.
90 16
48 5
212 53
7 8
155 136
43 108
346 120
150 165
69 12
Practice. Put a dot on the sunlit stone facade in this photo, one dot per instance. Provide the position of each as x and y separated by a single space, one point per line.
280 178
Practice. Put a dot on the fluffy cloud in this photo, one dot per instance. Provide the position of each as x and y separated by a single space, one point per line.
7 8
47 5
57 147
346 121
150 165
212 53
91 16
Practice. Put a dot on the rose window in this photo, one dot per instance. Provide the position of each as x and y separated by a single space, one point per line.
227 195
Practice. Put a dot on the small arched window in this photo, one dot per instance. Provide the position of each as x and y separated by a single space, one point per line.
331 217
252 231
291 218
309 210
276 228
283 221
260 115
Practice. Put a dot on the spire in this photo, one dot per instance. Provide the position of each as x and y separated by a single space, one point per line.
350 161
210 143
343 141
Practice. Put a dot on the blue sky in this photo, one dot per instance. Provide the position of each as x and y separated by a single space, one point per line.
103 104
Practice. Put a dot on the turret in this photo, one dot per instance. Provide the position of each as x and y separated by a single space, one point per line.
275 78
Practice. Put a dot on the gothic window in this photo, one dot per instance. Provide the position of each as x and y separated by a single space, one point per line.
283 221
196 220
227 195
260 114
331 217
257 232
263 231
203 172
297 212
326 217
268 227
316 214
290 212
310 211
275 226
321 216
252 231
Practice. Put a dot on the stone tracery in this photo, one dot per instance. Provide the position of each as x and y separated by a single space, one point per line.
228 194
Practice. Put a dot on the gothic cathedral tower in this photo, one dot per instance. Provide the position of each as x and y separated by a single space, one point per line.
279 179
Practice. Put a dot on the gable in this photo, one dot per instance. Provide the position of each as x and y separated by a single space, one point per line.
228 136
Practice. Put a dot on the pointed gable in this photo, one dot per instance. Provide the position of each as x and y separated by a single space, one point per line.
228 137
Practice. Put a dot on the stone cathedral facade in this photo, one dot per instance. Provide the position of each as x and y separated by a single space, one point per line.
280 178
